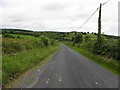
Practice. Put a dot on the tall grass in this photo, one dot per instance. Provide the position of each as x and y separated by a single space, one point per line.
13 65
14 45
20 54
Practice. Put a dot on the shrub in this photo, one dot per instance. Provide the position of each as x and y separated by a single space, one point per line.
78 38
44 39
11 47
52 42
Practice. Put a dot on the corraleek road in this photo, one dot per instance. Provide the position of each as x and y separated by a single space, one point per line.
68 69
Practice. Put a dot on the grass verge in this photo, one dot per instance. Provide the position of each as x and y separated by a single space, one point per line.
13 66
110 64
31 71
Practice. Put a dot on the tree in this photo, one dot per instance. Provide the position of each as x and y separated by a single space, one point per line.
78 38
87 38
44 39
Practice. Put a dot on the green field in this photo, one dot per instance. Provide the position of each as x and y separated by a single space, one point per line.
21 52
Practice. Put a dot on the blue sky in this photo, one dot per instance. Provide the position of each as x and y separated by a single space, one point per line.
58 15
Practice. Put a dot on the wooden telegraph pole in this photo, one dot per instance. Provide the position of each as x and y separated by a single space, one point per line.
99 23
98 44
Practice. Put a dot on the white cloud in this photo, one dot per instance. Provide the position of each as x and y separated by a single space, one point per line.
58 15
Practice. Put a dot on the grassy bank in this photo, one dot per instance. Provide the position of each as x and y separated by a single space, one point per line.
31 71
110 64
14 65
21 52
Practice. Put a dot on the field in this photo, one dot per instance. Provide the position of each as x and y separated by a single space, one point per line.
21 52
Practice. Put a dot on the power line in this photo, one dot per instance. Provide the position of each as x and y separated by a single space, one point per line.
105 2
92 14
89 18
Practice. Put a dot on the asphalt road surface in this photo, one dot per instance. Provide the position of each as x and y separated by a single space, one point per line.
68 69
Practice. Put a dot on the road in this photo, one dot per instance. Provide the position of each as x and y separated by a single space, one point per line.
68 69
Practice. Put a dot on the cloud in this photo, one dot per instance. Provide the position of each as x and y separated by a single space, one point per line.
57 15
54 6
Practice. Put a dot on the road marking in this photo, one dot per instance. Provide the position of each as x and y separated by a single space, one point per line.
47 81
96 83
60 79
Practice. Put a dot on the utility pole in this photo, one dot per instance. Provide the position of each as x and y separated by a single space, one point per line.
99 23
98 44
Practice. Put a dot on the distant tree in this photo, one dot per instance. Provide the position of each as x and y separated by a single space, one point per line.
95 33
36 34
87 38
44 39
78 38
84 33
11 32
81 32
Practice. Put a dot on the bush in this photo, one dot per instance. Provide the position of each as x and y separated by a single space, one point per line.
78 39
11 47
14 45
52 42
45 40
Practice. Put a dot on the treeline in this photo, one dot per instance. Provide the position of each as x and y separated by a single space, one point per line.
108 46
16 31
13 43
57 35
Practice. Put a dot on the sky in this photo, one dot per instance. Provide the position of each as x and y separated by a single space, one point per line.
59 15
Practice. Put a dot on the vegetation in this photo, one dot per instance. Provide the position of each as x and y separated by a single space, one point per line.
77 39
21 52
45 40
23 49
103 49
110 64
14 65
104 45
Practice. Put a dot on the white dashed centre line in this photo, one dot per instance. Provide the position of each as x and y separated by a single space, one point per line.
96 83
60 79
47 81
